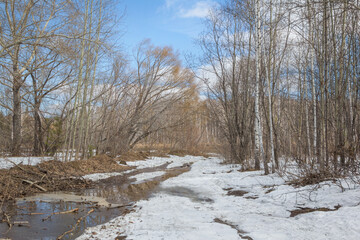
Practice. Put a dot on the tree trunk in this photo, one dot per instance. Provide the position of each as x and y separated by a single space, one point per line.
257 89
16 138
38 134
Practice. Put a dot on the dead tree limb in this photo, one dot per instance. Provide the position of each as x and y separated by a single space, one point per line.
34 184
56 213
76 224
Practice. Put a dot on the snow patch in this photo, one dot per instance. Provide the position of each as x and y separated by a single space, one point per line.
100 176
174 161
8 162
264 216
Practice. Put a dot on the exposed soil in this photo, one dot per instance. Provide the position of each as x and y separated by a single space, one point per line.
251 197
241 233
309 210
237 193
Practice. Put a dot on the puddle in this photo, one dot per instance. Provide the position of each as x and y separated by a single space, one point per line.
109 198
44 226
184 192
69 197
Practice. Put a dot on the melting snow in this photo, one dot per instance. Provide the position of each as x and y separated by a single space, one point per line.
175 161
99 176
263 213
8 162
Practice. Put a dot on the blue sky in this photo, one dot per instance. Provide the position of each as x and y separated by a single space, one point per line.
174 23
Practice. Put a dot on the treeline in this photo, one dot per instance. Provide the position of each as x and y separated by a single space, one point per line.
67 89
283 81
281 77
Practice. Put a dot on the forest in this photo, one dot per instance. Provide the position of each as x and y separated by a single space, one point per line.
281 80
277 83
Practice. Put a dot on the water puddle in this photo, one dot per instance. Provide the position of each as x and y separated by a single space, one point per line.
49 215
40 223
184 192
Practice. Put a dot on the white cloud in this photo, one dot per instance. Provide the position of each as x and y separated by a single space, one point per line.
170 3
199 10
189 8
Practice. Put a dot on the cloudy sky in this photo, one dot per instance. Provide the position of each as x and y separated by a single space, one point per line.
173 23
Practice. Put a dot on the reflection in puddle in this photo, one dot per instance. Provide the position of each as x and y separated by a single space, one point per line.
41 226
105 199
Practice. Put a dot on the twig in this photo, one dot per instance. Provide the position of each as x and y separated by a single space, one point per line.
34 184
56 213
76 224
7 220
16 165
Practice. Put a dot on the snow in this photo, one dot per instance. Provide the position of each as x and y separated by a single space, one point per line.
176 215
6 164
141 177
100 176
174 161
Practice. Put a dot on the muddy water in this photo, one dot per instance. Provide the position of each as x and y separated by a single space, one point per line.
42 227
106 199
184 192
110 198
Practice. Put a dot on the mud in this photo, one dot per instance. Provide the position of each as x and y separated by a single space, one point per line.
237 193
298 211
241 233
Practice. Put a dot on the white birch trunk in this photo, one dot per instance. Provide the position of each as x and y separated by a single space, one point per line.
258 132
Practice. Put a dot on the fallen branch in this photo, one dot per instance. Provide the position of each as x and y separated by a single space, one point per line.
34 184
76 224
7 220
16 165
56 213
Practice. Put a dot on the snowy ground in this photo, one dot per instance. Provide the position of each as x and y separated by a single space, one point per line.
187 205
8 162
175 161
99 176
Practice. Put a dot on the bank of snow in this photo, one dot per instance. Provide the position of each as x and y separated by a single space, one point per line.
262 213
8 162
